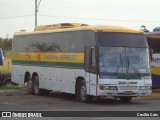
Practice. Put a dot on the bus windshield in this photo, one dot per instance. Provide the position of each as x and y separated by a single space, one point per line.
118 61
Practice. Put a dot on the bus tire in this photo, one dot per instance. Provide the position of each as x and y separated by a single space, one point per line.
38 91
8 82
36 85
125 99
83 93
30 85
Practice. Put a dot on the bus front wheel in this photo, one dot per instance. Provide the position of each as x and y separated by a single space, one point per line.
83 93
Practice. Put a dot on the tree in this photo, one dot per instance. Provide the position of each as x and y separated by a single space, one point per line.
6 44
1 42
143 28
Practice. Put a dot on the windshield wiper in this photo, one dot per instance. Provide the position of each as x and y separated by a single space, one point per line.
118 67
133 68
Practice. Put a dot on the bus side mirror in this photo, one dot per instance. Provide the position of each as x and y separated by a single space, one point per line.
151 54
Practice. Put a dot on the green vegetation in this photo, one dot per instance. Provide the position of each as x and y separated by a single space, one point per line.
6 44
10 87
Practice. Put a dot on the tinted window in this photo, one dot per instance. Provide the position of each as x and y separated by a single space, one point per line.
154 43
121 39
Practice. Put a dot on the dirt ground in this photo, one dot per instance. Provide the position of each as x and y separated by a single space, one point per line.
155 95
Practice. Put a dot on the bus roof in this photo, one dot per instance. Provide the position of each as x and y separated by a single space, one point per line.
155 34
78 27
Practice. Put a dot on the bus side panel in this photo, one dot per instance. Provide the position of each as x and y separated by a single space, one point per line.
44 74
68 80
155 81
93 84
56 75
18 74
64 79
69 77
155 70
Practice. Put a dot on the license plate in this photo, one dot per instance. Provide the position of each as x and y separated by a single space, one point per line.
128 92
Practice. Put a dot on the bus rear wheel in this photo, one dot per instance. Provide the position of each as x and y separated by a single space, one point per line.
38 91
83 93
8 82
36 85
30 85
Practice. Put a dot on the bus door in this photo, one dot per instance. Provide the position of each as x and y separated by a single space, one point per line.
90 69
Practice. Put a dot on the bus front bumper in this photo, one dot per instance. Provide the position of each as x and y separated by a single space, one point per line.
114 93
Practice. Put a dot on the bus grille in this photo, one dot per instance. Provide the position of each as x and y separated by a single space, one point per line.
127 87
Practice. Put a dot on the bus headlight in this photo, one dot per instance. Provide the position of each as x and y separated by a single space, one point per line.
103 87
144 87
148 87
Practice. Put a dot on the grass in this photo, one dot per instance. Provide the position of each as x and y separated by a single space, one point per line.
9 87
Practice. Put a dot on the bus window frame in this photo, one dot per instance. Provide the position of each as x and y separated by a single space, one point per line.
88 60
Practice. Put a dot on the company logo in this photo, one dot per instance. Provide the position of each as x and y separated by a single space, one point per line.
127 83
21 114
6 114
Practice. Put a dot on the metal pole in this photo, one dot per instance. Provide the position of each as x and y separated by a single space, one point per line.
35 13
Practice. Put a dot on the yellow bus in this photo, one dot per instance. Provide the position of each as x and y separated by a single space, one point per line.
88 61
154 43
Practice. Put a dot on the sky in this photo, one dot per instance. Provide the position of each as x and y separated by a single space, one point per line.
16 15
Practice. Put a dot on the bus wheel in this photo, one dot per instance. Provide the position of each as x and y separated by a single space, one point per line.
30 85
8 82
37 90
36 85
83 93
125 99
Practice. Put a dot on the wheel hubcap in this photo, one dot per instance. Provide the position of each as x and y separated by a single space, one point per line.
36 87
29 85
83 92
